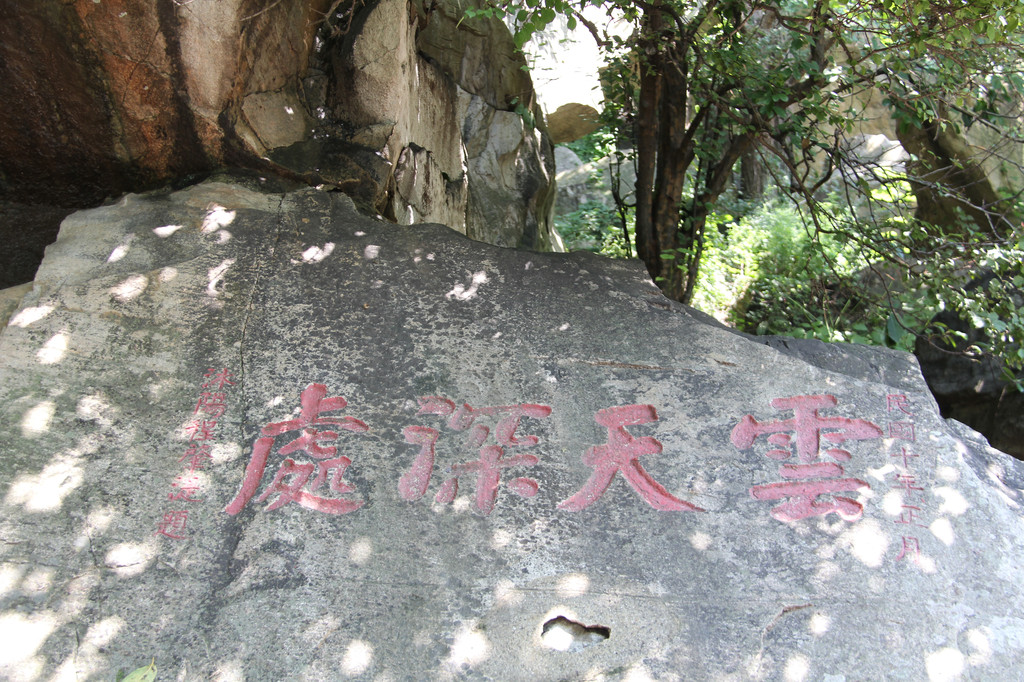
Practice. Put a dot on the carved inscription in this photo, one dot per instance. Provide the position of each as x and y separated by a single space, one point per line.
210 406
811 485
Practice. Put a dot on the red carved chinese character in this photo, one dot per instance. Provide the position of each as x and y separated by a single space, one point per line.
620 454
905 455
902 430
809 426
291 478
815 478
413 483
201 429
803 495
907 482
911 545
491 461
172 525
187 487
897 401
907 516
291 491
196 456
314 402
218 379
212 404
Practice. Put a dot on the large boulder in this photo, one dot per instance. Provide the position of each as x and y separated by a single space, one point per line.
261 436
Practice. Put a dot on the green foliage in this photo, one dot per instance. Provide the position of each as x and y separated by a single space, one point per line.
594 146
593 227
146 673
773 273
524 113
698 85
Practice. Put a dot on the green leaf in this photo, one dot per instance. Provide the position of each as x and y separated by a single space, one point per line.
146 673
894 329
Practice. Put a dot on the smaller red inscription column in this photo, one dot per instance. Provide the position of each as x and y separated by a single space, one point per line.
901 427
210 407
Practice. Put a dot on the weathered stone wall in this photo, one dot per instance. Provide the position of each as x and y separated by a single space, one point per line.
109 96
434 94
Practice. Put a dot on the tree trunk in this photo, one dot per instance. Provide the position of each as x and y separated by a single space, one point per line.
751 176
948 180
647 141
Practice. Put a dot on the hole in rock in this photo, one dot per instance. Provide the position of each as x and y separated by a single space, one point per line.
563 634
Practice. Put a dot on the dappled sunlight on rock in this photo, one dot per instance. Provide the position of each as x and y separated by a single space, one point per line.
700 541
95 525
120 251
796 669
418 256
315 254
892 503
216 275
166 230
89 656
943 530
470 646
10 578
53 350
572 585
27 316
501 538
216 217
46 490
221 453
129 288
371 252
358 657
360 551
38 582
819 624
167 274
981 647
94 408
867 542
36 420
953 501
462 292
22 636
944 665
229 671
129 559
506 593
638 672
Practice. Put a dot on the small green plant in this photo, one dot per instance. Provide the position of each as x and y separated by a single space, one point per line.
146 673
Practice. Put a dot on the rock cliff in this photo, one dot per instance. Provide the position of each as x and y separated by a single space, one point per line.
262 436
409 109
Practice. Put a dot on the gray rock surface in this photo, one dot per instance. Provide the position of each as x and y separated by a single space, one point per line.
220 407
